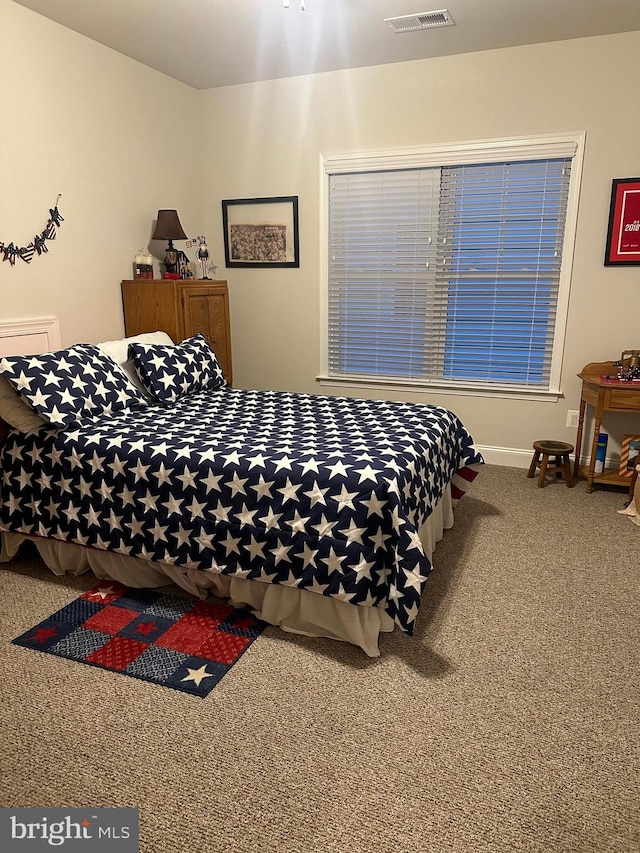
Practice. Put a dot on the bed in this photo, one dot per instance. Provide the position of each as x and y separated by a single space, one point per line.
135 460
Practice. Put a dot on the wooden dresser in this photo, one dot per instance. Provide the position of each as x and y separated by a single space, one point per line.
181 309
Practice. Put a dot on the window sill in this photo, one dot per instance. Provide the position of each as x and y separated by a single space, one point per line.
469 390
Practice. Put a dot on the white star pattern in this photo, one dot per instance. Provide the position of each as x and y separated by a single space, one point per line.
159 368
324 494
102 593
70 396
198 675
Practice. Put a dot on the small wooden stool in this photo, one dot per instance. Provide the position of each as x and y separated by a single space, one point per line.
561 451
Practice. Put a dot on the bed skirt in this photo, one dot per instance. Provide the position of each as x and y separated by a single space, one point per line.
291 609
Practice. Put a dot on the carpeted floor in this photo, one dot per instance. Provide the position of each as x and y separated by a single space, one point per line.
510 722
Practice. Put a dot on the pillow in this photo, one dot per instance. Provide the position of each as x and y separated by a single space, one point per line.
15 411
171 372
71 385
118 350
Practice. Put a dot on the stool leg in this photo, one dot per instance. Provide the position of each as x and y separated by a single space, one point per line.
567 471
543 470
534 464
559 467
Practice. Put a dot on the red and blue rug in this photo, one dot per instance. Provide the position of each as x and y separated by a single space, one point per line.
171 640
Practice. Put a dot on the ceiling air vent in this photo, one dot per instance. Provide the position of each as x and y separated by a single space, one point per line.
421 21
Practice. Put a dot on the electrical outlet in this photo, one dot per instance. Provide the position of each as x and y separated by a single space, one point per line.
572 418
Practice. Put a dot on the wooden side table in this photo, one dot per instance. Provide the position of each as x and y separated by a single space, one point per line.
604 397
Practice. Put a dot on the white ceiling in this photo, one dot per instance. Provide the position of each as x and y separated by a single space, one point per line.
210 43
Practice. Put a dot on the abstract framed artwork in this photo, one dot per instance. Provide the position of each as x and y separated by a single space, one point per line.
623 235
629 451
261 232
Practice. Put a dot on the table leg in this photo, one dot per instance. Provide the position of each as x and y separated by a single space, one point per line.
594 449
576 467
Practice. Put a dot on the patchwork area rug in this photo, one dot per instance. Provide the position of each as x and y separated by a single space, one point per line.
178 642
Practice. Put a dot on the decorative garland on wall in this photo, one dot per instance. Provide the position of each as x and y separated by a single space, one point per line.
10 252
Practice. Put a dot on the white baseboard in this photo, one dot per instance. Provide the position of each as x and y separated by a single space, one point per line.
508 456
514 458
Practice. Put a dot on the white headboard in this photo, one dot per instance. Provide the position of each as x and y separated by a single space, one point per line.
29 337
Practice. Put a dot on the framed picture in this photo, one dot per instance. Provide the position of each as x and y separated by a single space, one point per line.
630 449
261 232
623 236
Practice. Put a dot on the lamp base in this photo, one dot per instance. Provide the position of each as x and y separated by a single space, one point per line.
170 259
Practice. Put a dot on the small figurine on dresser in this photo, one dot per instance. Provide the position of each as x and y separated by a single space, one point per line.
184 266
203 257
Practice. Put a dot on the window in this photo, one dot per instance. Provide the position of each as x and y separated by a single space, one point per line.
451 267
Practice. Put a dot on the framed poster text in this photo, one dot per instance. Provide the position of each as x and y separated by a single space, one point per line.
623 236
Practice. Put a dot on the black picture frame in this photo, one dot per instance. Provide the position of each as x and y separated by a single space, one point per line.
623 232
261 232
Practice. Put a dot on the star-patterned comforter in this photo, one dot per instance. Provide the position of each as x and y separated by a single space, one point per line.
322 493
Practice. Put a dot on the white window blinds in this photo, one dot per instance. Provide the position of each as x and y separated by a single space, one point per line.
501 234
447 274
382 250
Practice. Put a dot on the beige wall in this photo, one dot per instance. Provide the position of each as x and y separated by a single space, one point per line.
116 139
120 141
266 139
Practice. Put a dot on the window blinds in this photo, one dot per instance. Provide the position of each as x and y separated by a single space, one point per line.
446 274
501 232
382 251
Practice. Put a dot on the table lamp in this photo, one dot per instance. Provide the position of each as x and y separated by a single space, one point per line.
168 227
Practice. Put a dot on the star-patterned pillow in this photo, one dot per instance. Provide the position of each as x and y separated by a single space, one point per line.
171 372
71 385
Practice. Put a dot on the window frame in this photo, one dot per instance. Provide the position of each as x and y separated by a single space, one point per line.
569 144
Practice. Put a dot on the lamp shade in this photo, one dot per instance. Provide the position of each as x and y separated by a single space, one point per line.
168 226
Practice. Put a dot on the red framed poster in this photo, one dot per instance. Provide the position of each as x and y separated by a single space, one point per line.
623 236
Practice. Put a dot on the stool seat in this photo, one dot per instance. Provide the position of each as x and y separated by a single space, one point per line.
542 451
